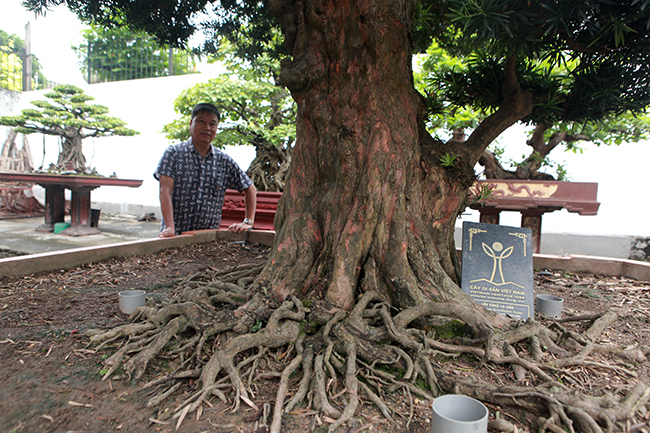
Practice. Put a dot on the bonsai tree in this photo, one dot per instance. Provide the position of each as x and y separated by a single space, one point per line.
364 263
68 116
544 138
568 109
255 111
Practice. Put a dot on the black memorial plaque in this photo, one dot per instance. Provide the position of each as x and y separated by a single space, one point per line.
498 268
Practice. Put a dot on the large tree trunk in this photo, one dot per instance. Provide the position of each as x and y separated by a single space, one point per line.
71 155
367 205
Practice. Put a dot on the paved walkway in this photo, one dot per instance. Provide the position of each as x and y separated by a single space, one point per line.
18 235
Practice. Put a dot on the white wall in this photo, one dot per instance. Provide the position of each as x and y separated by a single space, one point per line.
9 103
146 105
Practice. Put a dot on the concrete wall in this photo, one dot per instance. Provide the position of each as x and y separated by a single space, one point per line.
9 106
9 101
641 249
128 209
561 244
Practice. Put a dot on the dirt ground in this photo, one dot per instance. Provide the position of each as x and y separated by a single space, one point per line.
50 379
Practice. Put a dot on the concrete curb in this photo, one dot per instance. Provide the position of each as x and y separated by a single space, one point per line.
597 265
68 259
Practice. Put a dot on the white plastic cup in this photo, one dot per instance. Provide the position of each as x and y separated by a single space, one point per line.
458 414
549 305
131 299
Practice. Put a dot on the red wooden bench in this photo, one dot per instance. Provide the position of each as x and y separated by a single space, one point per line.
234 209
533 198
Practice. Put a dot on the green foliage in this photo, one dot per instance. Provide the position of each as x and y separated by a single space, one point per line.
591 86
615 130
561 173
254 110
120 54
448 160
444 114
10 62
429 22
480 194
257 326
12 49
67 115
581 60
497 150
246 115
247 24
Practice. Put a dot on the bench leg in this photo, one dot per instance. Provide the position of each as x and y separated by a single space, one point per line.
489 216
533 220
54 207
80 214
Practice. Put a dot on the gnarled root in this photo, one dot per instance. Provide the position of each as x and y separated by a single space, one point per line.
216 332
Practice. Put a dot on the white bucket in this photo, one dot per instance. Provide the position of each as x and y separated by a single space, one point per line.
458 414
549 305
131 299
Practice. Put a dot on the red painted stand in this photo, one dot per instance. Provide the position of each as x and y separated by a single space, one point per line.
80 186
533 198
234 209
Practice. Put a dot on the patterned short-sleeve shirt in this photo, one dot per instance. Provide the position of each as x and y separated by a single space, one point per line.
199 185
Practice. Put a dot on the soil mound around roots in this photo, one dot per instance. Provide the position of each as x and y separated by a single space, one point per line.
210 356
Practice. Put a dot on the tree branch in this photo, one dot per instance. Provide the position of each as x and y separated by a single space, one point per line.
517 104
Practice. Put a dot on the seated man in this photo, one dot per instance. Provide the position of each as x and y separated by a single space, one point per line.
194 176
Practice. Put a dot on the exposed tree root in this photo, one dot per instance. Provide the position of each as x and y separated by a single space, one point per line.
329 360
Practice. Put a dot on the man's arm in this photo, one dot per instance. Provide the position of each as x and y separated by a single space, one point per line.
250 194
250 197
166 190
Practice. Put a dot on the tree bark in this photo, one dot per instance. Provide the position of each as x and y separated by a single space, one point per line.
529 168
368 204
71 156
269 169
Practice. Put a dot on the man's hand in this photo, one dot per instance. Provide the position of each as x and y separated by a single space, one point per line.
166 191
240 227
167 233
